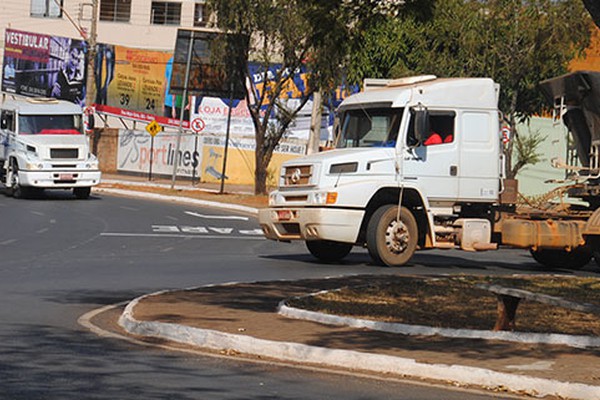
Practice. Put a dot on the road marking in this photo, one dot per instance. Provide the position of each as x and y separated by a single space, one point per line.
42 230
203 230
236 217
224 231
9 241
174 235
37 213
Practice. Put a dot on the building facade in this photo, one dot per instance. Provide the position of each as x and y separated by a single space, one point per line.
143 24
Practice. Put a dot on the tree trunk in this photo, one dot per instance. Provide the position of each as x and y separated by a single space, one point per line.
507 311
260 175
315 124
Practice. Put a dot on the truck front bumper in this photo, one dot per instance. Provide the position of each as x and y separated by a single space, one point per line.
59 179
285 224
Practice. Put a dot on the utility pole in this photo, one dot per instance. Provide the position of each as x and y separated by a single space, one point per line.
91 44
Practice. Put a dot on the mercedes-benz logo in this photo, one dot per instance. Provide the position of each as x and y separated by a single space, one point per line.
295 176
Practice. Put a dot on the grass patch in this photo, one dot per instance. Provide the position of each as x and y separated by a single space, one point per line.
455 302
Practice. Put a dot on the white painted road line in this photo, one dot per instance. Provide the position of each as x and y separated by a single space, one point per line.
236 217
168 235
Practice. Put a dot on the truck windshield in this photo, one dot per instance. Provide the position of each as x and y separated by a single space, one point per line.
50 124
370 127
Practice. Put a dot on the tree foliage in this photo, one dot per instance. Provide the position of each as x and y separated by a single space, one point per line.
315 34
517 43
290 34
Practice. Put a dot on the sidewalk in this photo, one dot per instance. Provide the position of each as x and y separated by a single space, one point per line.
242 319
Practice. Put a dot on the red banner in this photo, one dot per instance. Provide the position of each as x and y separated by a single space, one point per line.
141 116
27 46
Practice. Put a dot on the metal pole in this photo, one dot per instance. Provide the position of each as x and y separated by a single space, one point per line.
185 94
227 137
151 157
194 155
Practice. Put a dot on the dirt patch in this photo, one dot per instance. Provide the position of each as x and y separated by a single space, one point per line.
456 302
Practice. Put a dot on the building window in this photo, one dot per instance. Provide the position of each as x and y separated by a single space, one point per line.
199 17
115 10
165 13
46 8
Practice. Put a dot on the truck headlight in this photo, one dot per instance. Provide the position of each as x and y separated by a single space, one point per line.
272 199
322 198
92 162
34 165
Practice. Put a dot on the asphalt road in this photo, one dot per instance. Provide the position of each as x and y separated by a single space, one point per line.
62 257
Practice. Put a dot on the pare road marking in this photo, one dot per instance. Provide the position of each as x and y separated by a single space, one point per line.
203 230
236 217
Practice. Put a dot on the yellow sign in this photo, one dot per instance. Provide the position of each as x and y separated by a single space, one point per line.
153 128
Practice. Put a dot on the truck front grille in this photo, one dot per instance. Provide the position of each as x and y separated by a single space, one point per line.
64 153
298 175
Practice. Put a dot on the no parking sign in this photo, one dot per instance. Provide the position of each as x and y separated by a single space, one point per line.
197 125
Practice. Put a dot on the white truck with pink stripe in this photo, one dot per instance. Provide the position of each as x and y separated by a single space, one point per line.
43 146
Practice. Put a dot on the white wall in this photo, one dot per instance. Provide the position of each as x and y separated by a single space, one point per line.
138 32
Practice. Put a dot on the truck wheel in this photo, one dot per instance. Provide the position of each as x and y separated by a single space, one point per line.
327 250
82 192
551 258
13 188
390 241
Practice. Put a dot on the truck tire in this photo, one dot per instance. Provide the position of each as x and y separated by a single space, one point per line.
327 250
82 193
552 258
390 241
13 188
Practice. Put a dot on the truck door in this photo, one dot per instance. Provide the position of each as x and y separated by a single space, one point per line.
7 127
479 166
433 165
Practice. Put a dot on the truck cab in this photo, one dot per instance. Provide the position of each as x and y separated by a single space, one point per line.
43 146
417 164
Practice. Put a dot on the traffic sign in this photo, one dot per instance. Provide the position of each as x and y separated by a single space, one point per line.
153 128
197 125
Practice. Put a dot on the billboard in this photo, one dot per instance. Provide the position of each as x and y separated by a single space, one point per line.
132 83
208 76
43 65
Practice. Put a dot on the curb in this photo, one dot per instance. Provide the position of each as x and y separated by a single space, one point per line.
178 199
353 360
576 341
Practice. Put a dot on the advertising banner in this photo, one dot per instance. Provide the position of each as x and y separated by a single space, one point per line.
240 159
201 156
43 65
136 146
210 117
130 79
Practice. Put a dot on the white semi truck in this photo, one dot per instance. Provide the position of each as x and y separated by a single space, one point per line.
43 146
418 164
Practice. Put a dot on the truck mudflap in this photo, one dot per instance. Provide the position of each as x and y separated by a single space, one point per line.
548 234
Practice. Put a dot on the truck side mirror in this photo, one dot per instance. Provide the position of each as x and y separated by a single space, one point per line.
421 127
